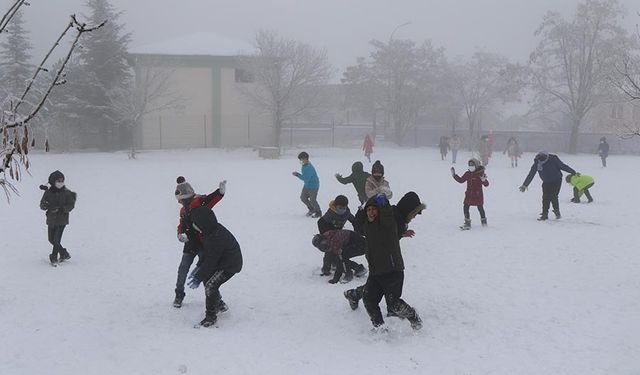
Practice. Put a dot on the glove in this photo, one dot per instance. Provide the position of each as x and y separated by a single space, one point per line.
337 175
193 282
380 199
483 178
523 188
453 171
182 237
409 233
296 174
222 187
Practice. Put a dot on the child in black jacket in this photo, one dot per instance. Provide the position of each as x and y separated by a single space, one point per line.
57 201
336 217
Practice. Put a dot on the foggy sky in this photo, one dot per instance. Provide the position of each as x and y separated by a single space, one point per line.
343 27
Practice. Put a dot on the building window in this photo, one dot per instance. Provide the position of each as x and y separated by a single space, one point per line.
243 76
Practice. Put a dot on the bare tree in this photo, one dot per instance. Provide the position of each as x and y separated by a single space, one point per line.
289 74
484 81
149 92
574 59
16 140
401 78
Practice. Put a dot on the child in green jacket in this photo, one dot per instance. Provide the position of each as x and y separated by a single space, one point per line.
581 184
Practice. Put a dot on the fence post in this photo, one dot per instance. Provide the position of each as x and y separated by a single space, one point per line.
160 129
205 130
333 132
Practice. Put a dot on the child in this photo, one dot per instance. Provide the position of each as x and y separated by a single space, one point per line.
57 201
339 246
603 150
444 147
485 149
358 178
455 142
309 194
367 147
220 258
475 179
513 151
581 184
376 184
386 266
191 239
335 218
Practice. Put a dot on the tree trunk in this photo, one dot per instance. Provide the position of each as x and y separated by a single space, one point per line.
573 137
277 124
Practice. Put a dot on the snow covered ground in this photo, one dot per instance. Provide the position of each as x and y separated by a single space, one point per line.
518 297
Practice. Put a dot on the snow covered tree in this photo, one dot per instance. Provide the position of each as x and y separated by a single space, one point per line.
15 58
290 76
104 58
401 78
484 81
574 59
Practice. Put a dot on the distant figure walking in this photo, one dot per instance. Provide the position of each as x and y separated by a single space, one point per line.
57 201
454 143
367 147
513 151
484 149
603 150
444 147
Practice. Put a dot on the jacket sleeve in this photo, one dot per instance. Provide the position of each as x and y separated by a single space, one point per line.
212 199
461 179
532 173
307 174
70 202
345 180
358 222
44 201
565 167
385 213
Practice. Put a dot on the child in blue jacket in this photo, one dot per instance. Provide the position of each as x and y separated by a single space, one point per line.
309 194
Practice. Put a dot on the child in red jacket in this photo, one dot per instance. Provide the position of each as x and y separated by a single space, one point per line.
476 179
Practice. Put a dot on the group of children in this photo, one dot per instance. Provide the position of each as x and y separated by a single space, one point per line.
378 227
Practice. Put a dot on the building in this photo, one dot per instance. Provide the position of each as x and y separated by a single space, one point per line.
209 106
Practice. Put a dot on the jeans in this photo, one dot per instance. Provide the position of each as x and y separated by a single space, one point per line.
55 236
309 198
550 191
183 271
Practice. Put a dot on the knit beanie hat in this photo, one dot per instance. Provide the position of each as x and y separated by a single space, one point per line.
377 167
184 189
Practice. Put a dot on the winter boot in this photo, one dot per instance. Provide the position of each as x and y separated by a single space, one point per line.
405 311
309 214
348 276
360 270
53 258
208 320
177 302
353 299
557 213
466 225
575 200
483 221
316 215
64 255
543 217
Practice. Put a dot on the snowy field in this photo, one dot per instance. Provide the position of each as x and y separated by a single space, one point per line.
519 297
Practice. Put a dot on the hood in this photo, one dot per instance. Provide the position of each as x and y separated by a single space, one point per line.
377 167
357 167
409 203
55 176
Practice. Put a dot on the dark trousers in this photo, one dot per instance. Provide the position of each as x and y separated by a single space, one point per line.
550 191
310 199
213 299
389 286
183 270
55 236
576 193
465 209
604 160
